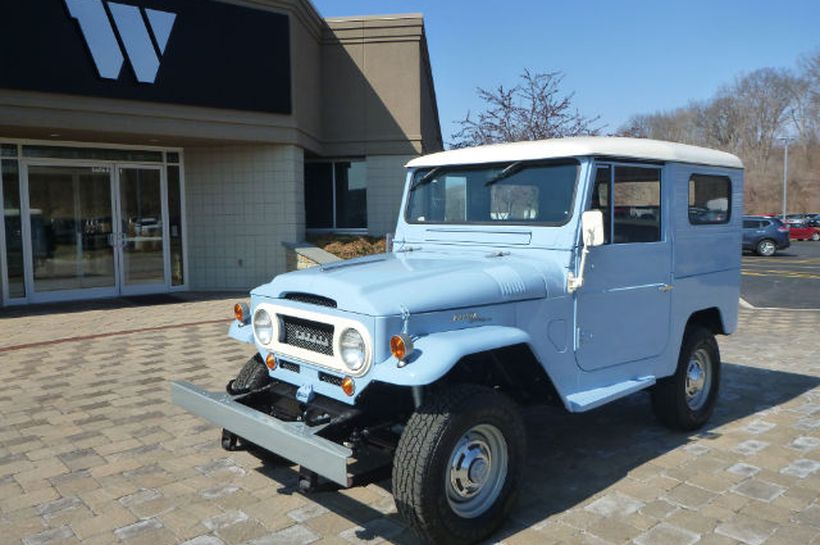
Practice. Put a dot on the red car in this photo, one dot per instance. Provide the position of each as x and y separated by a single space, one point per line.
803 231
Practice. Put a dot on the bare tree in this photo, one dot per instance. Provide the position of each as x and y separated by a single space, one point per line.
805 114
534 109
765 97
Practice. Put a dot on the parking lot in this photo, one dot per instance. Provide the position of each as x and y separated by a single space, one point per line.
788 279
92 452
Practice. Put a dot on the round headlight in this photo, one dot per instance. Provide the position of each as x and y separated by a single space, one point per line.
263 326
352 349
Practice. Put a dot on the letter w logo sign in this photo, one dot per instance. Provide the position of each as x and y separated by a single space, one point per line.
143 33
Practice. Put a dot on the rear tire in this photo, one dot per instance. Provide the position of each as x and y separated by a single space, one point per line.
815 237
685 400
766 248
458 464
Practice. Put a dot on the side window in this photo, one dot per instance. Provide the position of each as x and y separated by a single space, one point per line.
636 204
709 198
749 224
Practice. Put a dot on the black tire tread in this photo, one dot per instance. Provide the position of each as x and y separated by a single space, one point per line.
254 374
668 397
423 432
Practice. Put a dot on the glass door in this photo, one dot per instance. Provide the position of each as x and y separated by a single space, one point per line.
142 229
70 230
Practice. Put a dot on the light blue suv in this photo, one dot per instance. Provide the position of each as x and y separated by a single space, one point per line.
572 272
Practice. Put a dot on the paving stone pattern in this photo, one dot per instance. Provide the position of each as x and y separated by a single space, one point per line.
92 452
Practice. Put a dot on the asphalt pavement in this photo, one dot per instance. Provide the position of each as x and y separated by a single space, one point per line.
788 279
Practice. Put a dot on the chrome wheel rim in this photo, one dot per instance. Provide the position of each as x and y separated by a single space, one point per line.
698 379
767 247
477 471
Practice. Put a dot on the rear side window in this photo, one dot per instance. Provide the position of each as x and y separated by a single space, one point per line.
709 199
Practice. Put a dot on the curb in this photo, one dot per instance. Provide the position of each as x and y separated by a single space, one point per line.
748 306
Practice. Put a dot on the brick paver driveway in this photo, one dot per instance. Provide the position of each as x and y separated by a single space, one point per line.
92 452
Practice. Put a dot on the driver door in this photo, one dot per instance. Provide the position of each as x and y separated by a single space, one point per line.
623 309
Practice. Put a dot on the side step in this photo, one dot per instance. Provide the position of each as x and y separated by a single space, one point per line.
589 399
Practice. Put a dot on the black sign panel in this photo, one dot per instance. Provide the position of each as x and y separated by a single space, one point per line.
194 52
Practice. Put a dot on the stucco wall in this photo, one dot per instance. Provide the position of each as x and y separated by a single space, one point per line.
371 67
242 202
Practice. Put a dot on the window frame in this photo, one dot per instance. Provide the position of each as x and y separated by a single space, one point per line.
529 163
613 165
335 229
691 180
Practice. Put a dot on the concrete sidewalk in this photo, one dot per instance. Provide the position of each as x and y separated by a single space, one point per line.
92 452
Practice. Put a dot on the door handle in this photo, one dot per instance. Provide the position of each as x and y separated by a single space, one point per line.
664 288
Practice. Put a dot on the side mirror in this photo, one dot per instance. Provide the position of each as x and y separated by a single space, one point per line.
592 230
592 227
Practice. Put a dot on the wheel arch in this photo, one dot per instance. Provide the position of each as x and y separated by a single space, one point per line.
514 370
711 318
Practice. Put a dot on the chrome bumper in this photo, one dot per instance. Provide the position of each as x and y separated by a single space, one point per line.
292 440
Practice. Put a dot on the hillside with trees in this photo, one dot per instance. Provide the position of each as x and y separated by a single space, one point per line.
749 118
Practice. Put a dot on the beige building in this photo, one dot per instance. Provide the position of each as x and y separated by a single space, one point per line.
168 145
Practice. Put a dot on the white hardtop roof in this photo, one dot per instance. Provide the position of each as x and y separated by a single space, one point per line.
580 146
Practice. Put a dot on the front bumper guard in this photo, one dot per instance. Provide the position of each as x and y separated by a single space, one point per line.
294 441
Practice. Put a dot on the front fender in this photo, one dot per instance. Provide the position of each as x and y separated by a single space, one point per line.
434 355
241 332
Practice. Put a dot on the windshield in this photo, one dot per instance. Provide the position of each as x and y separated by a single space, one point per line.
510 193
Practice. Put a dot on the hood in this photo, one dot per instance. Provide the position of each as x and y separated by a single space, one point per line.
419 281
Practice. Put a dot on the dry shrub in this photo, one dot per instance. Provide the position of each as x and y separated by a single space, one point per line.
349 246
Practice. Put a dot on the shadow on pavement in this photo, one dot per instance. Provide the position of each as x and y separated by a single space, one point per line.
114 303
571 457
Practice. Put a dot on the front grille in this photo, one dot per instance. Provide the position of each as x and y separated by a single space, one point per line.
332 379
311 299
292 367
307 334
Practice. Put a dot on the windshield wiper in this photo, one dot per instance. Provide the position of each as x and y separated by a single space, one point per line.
427 178
506 173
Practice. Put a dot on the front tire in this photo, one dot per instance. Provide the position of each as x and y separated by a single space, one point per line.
458 464
252 376
766 248
685 400
815 237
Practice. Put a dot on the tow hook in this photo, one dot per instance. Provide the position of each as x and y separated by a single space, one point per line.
308 481
230 441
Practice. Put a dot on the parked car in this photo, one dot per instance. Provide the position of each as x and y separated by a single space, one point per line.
516 278
764 235
803 231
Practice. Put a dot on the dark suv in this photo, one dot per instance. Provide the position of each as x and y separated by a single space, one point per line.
764 235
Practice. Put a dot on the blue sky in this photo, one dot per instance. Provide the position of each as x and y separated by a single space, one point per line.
620 58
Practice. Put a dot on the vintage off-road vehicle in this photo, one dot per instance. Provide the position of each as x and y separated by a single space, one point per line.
573 271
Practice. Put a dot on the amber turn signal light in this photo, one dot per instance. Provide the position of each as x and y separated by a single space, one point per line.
348 386
270 361
242 313
401 346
